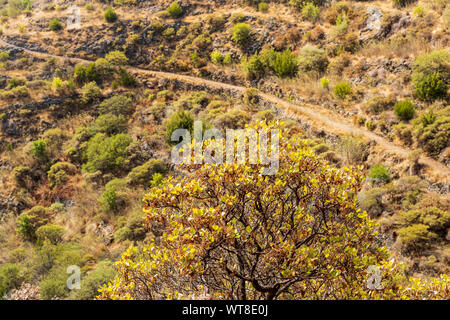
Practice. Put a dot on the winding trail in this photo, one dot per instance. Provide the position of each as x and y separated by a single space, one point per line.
314 113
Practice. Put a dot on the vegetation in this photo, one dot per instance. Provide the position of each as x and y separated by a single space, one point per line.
241 34
175 10
55 24
404 110
110 15
86 123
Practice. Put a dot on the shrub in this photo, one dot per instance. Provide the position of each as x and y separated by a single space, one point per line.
234 119
126 78
216 57
117 58
15 93
142 175
50 232
227 59
285 64
342 89
432 130
216 22
109 201
179 120
175 10
201 42
312 59
253 67
404 110
430 87
90 92
310 12
107 154
379 104
241 34
402 3
324 83
55 24
110 15
59 173
263 7
117 105
134 229
29 221
10 278
102 274
108 123
379 173
4 56
430 73
38 148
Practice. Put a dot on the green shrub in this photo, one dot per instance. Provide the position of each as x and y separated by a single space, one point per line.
285 64
263 7
55 24
90 92
241 34
234 119
59 173
431 72
430 87
379 173
201 42
107 154
29 221
324 82
216 57
4 56
38 148
142 175
10 278
404 110
117 58
126 79
50 232
117 105
432 130
101 275
179 120
19 92
109 124
253 67
175 10
342 89
134 229
312 59
110 15
310 12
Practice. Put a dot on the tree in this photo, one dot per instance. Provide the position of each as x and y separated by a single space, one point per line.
235 234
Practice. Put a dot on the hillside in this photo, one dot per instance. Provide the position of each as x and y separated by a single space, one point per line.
91 92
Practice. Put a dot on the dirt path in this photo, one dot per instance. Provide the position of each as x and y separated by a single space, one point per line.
316 114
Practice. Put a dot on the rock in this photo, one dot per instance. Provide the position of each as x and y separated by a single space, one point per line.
373 23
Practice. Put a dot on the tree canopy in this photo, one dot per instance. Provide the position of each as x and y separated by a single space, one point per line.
231 233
